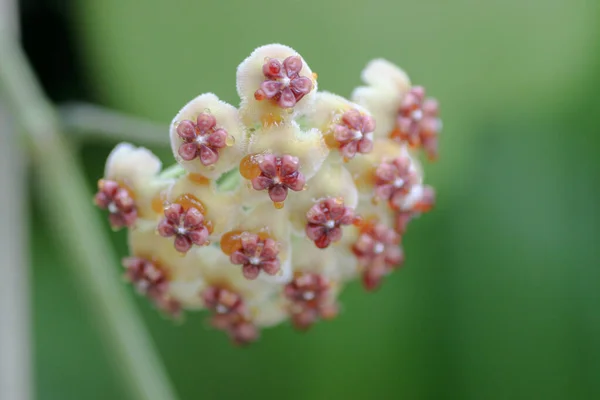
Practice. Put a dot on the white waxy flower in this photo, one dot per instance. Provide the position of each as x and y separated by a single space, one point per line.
131 186
346 126
275 84
207 137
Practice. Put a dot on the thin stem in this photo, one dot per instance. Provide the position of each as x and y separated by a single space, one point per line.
91 122
68 208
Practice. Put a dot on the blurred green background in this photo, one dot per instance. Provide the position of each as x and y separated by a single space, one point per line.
500 295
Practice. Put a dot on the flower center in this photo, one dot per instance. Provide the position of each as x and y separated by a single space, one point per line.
308 295
254 260
221 309
329 224
200 139
398 183
378 248
285 81
417 114
357 135
112 208
181 229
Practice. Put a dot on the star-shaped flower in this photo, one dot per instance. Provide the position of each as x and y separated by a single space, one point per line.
256 254
283 84
201 139
278 174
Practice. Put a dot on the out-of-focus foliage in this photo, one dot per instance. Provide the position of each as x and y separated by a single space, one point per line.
500 294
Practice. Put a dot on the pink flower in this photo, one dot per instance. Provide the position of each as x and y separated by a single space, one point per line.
325 219
424 204
394 180
354 133
310 300
201 139
187 226
378 252
150 280
278 174
117 199
229 314
283 84
418 121
256 254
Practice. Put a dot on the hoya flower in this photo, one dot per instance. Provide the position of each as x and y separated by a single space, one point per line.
206 136
274 206
378 252
130 186
277 175
346 126
274 83
283 158
417 122
402 112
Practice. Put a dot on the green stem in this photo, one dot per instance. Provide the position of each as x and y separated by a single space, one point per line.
62 189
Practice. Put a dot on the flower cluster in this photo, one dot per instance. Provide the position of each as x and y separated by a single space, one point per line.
274 205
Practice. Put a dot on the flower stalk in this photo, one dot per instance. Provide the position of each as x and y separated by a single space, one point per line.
61 186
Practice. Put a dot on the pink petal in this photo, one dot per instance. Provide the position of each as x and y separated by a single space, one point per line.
297 184
292 65
394 256
287 99
218 139
116 220
205 122
208 156
193 218
271 267
173 212
352 119
272 68
349 149
165 228
316 215
261 182
270 249
182 244
368 124
249 242
384 192
271 88
102 200
188 151
278 193
342 134
268 165
335 234
365 145
237 257
186 130
289 165
250 271
198 236
314 232
301 85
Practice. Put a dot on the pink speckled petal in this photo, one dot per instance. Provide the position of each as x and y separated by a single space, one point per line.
292 65
218 139
186 130
278 193
287 99
271 88
188 151
208 156
205 122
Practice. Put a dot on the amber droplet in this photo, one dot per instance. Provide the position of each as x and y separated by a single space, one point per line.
365 224
259 95
263 234
198 178
230 141
231 241
249 167
188 200
331 142
209 226
278 205
158 203
396 134
315 75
